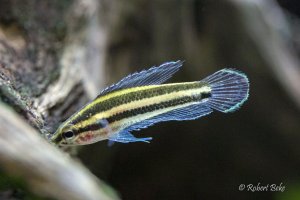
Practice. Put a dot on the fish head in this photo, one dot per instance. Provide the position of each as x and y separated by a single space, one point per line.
69 134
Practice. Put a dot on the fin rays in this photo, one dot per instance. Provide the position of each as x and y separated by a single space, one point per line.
230 90
190 112
152 76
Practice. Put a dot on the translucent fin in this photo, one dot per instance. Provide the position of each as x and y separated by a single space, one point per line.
229 90
152 76
187 113
126 137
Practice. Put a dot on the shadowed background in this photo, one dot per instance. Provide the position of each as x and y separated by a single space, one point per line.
96 43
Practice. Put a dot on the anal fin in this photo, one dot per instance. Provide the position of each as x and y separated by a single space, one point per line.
191 112
126 137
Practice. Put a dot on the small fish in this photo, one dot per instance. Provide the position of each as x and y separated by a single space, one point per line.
140 100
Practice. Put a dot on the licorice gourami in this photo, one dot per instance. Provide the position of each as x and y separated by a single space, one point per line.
140 100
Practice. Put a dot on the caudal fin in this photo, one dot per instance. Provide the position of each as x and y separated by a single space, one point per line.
229 90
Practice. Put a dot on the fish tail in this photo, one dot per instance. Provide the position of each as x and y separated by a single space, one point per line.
229 90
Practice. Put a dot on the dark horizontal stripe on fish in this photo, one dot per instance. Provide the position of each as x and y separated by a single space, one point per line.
157 106
133 96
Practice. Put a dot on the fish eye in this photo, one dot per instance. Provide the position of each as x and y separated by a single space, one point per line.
68 134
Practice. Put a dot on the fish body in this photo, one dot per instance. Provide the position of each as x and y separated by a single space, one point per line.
140 100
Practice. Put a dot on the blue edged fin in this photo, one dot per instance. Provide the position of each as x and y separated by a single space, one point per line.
191 112
187 113
126 137
152 76
229 90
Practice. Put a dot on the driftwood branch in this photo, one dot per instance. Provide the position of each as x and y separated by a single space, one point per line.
48 171
82 58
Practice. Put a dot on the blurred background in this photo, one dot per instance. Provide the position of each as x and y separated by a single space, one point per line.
87 45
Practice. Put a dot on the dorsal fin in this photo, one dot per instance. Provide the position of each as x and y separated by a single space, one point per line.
154 75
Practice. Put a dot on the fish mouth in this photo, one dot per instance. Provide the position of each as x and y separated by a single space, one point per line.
55 138
74 142
63 144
